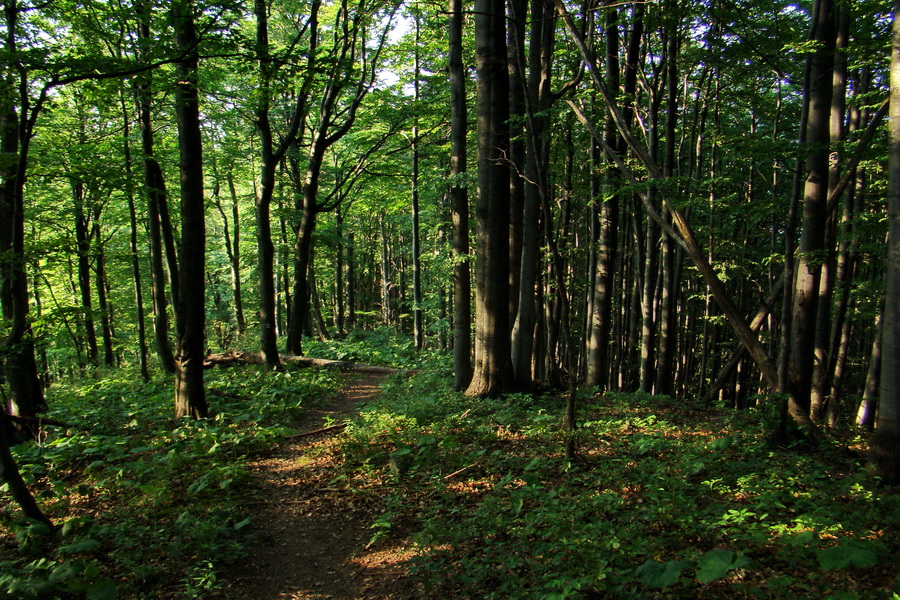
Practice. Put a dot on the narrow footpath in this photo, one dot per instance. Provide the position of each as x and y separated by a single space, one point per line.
311 536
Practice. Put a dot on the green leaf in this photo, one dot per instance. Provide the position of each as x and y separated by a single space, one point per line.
715 564
660 575
242 524
104 589
82 545
846 555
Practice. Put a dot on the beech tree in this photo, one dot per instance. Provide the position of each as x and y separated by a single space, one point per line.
190 314
493 373
886 442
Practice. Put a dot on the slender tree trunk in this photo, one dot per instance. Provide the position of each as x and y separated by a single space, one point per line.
133 245
315 305
84 271
340 273
459 206
103 304
668 317
418 326
387 313
190 314
155 190
865 415
302 251
515 58
232 233
351 280
524 336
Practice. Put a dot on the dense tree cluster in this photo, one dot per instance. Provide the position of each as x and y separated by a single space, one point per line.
682 198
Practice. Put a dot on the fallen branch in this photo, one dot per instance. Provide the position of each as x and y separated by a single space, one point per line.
314 432
460 471
228 359
41 421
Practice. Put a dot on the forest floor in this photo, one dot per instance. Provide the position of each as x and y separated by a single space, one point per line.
312 537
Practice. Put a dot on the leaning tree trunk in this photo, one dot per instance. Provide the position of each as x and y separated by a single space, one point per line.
190 314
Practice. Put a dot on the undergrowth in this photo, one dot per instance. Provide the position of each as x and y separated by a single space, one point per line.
379 347
146 507
666 499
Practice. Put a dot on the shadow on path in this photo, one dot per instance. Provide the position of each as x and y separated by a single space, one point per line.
310 537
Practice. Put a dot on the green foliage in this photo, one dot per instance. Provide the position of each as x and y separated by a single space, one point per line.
381 346
667 501
159 504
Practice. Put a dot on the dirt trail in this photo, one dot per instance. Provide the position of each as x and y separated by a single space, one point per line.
311 536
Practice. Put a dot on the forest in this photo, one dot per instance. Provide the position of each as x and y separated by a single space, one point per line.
625 274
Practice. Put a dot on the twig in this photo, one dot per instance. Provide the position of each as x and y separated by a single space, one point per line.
457 472
314 432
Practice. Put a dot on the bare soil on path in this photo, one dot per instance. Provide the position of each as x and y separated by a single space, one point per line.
311 537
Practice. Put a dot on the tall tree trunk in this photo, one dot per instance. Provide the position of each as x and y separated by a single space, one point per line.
459 206
418 326
133 245
865 414
83 242
302 257
103 304
340 273
515 58
822 374
155 190
190 313
886 442
270 157
597 368
812 237
387 312
19 364
493 372
232 234
668 314
268 342
543 23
